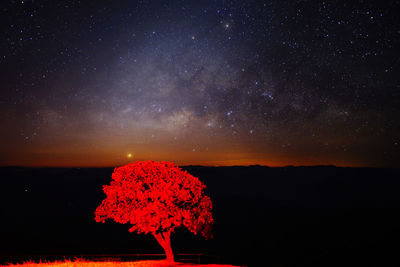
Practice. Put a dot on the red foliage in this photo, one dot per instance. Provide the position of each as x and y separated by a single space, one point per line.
156 197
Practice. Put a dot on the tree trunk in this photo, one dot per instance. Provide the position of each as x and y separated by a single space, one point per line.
164 239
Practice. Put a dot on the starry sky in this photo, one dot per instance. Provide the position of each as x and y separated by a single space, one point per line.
104 83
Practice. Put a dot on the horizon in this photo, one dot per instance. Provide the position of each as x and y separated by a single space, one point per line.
194 165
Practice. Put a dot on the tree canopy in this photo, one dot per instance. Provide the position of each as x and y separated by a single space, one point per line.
156 197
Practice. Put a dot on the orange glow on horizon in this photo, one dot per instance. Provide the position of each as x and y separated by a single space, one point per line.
217 155
211 163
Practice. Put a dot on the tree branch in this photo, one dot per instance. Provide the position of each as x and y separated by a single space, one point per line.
159 239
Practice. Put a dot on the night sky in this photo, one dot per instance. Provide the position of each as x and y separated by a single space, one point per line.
104 83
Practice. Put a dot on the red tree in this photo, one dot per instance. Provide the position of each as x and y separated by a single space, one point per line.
156 197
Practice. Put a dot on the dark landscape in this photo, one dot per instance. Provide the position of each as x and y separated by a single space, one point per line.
289 216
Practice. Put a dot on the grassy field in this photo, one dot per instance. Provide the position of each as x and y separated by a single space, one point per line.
84 263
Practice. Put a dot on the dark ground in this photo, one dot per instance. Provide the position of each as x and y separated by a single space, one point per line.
293 216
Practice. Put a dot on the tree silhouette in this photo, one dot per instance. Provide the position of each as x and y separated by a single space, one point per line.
156 197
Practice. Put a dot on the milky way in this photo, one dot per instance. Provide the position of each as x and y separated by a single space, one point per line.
87 83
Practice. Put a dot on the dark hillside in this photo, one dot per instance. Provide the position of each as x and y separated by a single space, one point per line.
293 216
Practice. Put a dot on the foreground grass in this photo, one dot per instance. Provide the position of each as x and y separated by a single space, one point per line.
84 263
